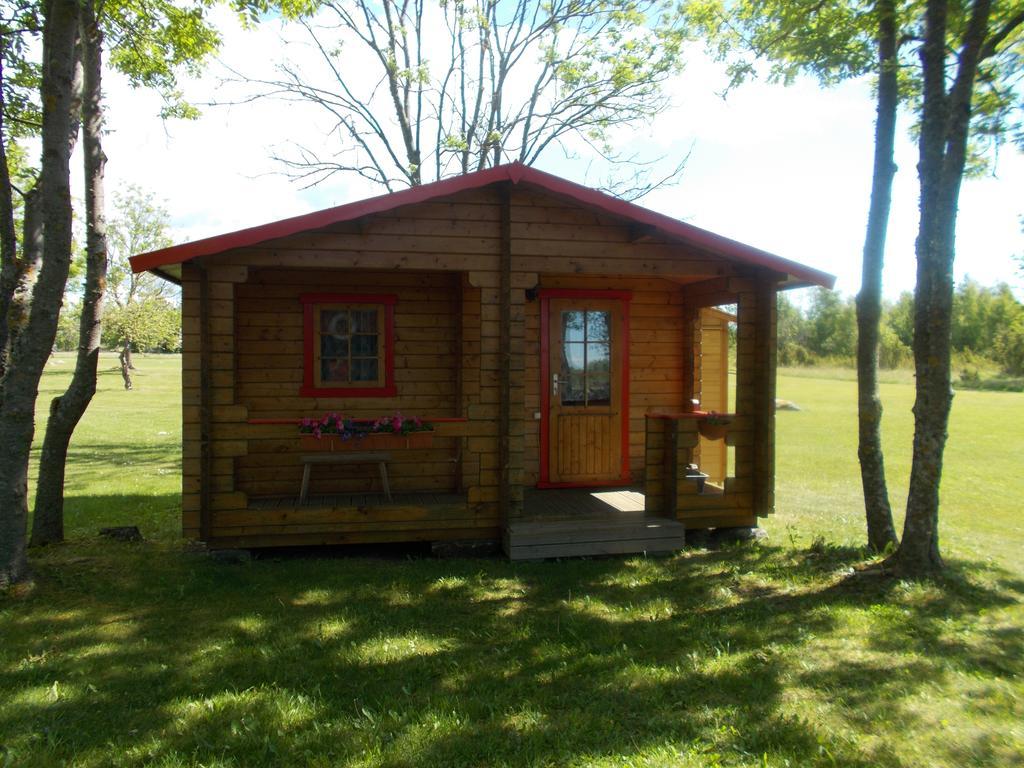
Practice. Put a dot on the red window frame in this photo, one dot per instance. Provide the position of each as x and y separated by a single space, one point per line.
310 301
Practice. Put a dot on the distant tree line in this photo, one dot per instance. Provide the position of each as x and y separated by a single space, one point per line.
988 325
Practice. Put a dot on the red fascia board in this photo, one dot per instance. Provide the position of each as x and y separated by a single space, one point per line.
515 173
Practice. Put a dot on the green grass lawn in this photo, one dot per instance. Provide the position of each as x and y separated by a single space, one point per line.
768 655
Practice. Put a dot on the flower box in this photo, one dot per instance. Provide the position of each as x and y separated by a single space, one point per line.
376 441
334 432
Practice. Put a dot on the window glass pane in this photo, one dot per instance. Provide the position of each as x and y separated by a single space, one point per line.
364 344
598 326
364 369
572 326
350 345
333 369
334 322
599 389
364 321
571 390
333 346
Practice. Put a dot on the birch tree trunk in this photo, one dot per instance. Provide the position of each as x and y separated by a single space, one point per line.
29 352
881 531
67 410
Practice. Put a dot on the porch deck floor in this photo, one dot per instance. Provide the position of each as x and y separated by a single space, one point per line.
585 522
581 502
418 499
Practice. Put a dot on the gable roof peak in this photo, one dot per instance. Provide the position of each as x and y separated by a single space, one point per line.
515 173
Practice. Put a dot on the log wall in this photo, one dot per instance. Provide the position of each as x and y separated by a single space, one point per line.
269 343
457 355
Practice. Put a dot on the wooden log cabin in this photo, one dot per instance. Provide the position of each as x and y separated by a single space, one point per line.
563 344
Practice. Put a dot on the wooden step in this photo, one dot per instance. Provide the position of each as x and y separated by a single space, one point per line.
627 534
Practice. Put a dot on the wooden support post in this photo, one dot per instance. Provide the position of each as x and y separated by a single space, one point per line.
505 355
691 356
458 302
764 399
670 478
205 416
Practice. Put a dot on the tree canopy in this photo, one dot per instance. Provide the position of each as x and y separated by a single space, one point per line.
416 90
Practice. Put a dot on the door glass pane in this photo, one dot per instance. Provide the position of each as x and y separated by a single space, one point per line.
599 389
572 390
572 384
598 358
598 326
573 360
573 324
585 377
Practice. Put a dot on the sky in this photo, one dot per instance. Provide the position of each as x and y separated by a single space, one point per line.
786 169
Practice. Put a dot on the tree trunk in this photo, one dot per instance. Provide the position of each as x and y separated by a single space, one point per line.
881 531
126 364
22 277
67 410
942 147
8 238
30 351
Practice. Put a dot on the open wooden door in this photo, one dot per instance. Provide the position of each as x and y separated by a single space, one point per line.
714 386
585 386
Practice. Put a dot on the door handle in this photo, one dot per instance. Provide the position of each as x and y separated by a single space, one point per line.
554 384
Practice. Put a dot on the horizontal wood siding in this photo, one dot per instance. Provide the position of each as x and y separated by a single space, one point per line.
227 418
269 376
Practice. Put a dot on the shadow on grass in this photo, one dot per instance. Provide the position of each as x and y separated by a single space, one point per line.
131 655
156 515
162 455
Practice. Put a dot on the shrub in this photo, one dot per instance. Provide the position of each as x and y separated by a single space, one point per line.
67 328
1009 347
892 352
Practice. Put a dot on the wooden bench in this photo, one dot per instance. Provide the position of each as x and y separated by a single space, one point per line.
344 457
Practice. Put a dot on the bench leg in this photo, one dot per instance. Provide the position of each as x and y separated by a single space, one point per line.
384 480
304 490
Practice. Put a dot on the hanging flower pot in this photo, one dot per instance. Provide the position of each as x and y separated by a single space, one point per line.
714 426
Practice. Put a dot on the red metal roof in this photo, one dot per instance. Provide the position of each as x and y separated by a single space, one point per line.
516 173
